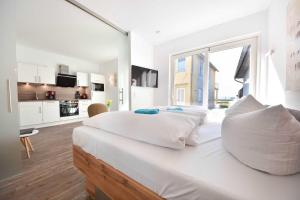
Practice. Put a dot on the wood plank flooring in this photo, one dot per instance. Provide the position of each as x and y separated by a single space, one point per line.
49 173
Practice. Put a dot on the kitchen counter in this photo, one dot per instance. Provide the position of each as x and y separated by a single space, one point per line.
33 100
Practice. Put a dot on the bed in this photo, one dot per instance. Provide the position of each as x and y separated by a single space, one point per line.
127 169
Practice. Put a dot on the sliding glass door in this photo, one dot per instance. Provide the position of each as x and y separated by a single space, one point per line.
214 77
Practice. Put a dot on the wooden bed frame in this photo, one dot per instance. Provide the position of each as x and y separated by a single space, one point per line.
113 183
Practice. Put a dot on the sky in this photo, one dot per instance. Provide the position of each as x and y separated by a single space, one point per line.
226 62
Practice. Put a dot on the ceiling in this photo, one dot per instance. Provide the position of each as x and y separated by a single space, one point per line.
57 26
172 18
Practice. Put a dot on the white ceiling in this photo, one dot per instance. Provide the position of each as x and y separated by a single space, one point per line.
173 18
59 27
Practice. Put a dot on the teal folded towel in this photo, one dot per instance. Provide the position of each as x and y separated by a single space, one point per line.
147 111
176 109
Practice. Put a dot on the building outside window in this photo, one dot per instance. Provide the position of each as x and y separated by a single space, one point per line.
181 65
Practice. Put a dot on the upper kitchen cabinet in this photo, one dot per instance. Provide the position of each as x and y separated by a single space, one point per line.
82 79
46 75
27 73
31 73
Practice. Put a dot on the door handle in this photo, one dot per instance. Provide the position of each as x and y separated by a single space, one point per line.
9 96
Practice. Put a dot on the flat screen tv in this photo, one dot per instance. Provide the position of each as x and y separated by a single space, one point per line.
144 77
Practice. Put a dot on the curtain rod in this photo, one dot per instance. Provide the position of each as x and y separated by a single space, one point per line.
93 14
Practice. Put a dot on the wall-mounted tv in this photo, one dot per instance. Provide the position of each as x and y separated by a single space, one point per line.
144 77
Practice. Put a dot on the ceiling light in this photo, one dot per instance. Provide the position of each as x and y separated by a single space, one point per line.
157 32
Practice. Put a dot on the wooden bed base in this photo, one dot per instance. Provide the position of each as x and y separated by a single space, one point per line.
113 183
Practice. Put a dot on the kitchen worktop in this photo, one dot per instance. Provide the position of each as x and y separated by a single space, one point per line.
34 100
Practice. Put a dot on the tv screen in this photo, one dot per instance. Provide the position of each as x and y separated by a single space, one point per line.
144 77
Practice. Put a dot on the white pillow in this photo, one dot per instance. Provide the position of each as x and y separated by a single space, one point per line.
266 139
244 105
295 113
164 129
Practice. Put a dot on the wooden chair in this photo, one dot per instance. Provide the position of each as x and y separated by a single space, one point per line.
96 108
24 138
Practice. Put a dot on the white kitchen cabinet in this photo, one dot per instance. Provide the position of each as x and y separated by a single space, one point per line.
50 111
31 113
31 73
97 78
83 107
82 79
27 73
46 74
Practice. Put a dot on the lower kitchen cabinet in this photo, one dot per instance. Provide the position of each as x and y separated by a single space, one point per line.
31 113
50 111
83 107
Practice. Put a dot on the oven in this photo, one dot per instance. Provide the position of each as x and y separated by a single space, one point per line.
69 108
98 87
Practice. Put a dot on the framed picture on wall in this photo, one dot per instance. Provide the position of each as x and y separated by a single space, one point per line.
293 46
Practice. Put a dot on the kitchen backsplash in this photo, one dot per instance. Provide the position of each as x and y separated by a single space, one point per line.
30 91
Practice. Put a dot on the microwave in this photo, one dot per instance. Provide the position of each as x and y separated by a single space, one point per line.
98 87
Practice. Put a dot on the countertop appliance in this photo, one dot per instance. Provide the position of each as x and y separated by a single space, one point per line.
69 108
66 80
50 95
97 88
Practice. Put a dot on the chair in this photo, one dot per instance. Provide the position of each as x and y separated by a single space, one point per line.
24 138
96 108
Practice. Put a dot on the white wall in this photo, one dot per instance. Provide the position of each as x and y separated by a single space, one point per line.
108 69
141 55
277 38
38 56
244 26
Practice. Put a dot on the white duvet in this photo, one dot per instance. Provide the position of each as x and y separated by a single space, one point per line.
163 129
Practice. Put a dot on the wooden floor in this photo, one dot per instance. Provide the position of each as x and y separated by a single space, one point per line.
49 173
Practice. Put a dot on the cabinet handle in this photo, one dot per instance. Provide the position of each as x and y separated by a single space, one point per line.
9 96
35 79
121 94
39 79
40 109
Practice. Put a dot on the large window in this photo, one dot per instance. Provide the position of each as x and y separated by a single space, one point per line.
213 77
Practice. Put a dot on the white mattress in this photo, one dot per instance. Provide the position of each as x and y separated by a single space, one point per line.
204 172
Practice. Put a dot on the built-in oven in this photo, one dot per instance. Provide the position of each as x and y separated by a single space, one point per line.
69 108
98 87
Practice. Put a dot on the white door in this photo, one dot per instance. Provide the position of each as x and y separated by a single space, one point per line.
46 75
82 79
27 73
50 111
30 113
10 159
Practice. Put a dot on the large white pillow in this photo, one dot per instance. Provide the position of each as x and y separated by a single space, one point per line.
244 105
266 139
163 129
295 113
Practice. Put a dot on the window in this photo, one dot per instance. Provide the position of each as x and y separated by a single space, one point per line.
181 65
212 77
180 96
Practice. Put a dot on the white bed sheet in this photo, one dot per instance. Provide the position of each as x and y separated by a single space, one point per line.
205 172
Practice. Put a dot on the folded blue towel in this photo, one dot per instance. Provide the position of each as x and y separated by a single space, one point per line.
175 109
147 111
